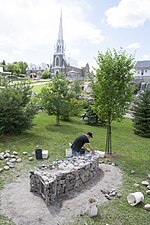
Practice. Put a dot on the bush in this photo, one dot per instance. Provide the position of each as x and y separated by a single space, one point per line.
17 108
141 121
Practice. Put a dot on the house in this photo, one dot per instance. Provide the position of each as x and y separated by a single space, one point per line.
2 73
142 72
35 71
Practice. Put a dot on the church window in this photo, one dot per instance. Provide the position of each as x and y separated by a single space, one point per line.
57 61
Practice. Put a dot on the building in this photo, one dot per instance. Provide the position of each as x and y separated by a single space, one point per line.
142 72
60 64
2 73
35 71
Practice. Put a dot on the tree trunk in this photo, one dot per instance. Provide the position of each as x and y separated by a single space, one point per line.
57 120
108 148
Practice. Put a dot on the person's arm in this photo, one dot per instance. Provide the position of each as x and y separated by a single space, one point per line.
89 147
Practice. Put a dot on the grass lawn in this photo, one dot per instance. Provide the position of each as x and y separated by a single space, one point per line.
133 153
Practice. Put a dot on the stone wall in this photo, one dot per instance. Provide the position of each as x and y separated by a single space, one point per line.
63 175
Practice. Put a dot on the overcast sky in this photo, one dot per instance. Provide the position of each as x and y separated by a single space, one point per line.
29 29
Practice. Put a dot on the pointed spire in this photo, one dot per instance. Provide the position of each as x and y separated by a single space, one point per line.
60 34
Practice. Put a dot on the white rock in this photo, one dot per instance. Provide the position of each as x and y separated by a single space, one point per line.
6 167
19 160
147 207
15 153
1 169
145 183
148 192
13 160
30 158
25 153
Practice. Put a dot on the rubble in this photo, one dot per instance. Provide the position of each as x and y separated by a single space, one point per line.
63 176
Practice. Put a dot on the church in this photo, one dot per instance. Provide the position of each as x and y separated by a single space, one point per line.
60 64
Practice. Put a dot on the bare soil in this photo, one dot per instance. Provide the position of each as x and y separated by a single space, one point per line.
26 208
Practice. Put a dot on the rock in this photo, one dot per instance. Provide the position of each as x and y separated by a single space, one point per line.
6 168
145 183
136 185
148 176
15 153
12 160
25 153
19 160
148 192
7 155
7 151
30 158
1 169
1 157
147 207
132 172
148 187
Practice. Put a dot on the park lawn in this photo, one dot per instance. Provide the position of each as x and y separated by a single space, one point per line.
131 153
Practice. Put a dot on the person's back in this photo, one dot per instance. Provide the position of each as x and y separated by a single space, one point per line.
79 143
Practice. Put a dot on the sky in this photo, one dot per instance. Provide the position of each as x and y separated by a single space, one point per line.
29 29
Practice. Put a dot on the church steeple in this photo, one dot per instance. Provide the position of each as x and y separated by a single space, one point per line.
60 41
60 34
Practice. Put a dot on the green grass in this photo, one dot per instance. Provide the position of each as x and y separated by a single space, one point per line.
133 153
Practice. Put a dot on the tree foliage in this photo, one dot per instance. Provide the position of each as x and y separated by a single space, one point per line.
16 68
141 121
17 108
59 99
46 74
112 88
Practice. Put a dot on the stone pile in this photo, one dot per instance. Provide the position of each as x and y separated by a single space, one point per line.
9 159
63 175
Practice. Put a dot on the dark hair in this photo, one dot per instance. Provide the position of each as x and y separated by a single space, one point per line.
90 134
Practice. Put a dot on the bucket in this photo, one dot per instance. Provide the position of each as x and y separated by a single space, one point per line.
135 198
68 152
38 153
92 208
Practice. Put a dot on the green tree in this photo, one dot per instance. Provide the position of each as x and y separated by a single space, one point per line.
16 68
141 121
112 88
56 97
46 74
17 107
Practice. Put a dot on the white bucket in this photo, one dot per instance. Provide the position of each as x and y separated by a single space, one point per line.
92 208
68 152
135 198
44 154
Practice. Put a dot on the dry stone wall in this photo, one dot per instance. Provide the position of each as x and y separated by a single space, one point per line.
63 175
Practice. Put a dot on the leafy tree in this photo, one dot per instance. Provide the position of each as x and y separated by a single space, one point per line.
76 87
46 74
17 108
112 88
55 97
16 68
141 121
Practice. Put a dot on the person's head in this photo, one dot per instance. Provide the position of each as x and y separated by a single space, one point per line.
90 135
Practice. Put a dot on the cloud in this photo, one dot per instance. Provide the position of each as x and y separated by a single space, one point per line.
31 26
133 46
128 14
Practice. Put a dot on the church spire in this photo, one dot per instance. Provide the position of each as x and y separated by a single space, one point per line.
60 34
60 41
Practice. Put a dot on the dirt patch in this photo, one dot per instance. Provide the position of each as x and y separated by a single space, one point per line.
27 208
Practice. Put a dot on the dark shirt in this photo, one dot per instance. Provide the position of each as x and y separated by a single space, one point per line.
79 142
